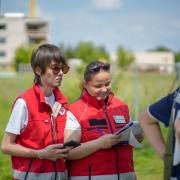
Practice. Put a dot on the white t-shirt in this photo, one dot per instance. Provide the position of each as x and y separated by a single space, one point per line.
19 116
72 123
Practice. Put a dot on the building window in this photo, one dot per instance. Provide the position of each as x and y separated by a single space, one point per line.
33 41
2 40
2 26
2 53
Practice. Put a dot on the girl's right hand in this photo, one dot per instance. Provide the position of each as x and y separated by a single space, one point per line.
108 140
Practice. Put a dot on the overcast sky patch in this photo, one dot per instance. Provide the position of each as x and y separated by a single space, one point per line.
107 4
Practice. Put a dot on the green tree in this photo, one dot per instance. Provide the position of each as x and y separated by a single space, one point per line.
88 52
23 55
177 57
68 51
124 58
160 48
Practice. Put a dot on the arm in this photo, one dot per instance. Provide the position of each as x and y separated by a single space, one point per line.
153 133
87 148
177 129
51 152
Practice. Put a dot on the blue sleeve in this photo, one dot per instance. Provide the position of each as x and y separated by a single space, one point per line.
161 110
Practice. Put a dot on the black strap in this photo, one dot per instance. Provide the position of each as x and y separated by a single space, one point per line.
28 168
168 157
89 171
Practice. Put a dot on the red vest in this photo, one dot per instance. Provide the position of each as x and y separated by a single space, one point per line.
39 133
92 113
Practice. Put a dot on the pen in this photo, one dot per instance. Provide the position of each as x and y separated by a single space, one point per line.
100 130
124 128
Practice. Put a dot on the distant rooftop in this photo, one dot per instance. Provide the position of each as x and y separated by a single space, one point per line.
14 15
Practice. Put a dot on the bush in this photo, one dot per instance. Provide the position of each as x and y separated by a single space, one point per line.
23 55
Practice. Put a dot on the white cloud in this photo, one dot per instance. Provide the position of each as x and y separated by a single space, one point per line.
107 4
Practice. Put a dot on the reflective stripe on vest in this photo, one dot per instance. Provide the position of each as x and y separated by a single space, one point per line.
39 176
123 176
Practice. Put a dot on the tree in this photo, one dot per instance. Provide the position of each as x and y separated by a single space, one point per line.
88 52
160 48
124 58
177 57
23 54
68 51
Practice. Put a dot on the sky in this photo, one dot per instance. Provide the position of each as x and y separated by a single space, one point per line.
137 25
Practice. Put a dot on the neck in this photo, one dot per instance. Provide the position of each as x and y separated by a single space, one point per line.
47 91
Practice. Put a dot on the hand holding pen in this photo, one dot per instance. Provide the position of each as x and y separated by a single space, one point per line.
108 140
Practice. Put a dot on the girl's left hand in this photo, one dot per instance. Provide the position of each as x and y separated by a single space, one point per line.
139 137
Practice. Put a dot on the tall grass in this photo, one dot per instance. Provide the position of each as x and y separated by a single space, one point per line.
147 164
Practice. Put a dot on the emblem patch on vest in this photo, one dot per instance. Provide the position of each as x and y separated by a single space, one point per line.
62 111
56 108
119 119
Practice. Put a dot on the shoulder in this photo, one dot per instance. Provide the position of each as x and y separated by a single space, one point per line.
161 110
76 103
118 101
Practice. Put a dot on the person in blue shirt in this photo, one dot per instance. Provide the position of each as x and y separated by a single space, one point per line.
161 112
177 128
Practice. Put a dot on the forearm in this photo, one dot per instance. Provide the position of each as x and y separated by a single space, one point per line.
153 133
18 150
85 149
177 129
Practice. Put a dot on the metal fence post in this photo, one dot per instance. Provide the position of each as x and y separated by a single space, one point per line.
20 77
136 106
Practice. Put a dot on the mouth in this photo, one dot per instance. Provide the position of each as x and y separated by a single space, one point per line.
59 79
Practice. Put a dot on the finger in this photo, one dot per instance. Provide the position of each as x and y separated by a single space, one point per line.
65 150
62 155
57 146
118 136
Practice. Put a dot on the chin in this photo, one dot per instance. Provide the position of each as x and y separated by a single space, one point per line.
57 84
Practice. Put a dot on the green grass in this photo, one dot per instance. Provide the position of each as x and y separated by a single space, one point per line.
147 164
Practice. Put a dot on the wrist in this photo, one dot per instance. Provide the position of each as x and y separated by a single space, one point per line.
39 154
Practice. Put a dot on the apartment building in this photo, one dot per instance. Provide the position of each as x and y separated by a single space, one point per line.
15 30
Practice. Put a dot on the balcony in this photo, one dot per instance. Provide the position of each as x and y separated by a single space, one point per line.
37 33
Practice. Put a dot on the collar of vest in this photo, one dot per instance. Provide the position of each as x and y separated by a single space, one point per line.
57 93
94 101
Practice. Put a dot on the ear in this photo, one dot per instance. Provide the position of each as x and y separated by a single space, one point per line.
84 83
38 70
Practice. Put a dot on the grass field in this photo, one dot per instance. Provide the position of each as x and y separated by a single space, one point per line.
151 87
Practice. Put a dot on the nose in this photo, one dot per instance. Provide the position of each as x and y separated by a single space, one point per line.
60 72
104 89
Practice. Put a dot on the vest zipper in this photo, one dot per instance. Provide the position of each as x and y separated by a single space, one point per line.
89 171
52 133
117 162
28 168
107 117
56 130
112 133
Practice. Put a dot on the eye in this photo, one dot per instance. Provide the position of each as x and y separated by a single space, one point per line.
98 86
108 83
56 68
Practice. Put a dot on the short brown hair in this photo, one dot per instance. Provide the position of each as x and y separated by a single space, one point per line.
43 56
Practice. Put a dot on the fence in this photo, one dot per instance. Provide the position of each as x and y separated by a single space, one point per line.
140 86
